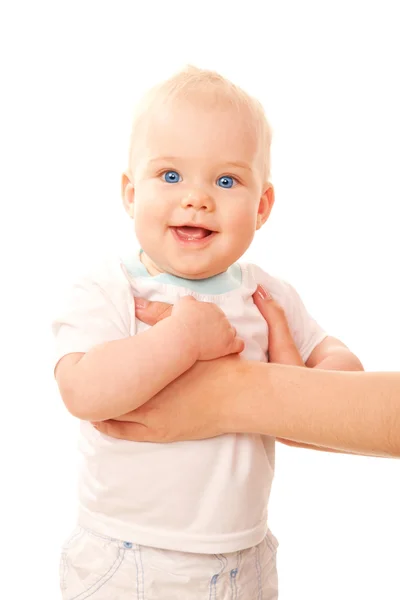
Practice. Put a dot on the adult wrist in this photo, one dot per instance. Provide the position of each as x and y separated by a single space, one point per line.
252 404
234 413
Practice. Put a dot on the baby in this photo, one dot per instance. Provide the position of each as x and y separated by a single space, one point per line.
185 520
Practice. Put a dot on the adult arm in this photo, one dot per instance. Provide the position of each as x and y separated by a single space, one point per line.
354 412
347 411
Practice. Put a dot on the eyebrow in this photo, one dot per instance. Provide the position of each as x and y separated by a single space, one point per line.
240 165
163 159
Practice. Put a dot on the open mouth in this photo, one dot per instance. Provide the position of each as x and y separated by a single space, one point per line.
189 233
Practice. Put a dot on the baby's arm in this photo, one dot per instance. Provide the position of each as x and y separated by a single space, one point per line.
332 355
118 376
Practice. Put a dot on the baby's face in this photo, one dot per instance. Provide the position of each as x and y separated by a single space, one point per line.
197 193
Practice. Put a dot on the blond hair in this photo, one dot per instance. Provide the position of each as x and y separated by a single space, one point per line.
214 87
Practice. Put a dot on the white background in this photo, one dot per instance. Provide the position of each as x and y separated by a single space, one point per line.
328 75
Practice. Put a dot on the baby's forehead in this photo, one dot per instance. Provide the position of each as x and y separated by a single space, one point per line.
195 119
197 133
197 125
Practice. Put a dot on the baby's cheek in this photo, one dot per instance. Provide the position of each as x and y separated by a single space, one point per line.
243 223
150 208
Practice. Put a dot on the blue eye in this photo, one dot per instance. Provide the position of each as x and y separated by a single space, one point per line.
172 177
226 182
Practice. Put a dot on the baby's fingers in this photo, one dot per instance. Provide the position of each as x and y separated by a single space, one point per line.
237 346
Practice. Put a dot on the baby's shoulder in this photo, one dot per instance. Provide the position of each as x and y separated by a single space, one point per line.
101 283
107 273
277 287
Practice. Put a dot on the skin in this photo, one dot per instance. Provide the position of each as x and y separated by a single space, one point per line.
349 412
220 393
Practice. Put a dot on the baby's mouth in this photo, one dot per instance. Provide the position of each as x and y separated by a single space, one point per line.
187 233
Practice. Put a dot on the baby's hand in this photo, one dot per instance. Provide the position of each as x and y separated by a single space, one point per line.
209 328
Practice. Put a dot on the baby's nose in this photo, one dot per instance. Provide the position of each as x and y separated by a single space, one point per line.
199 200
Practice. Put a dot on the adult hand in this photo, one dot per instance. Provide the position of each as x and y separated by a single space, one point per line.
281 346
188 407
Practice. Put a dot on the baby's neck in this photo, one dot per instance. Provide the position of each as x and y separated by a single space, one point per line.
153 270
151 267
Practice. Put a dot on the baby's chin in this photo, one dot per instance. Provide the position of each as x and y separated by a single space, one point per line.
185 267
193 271
192 274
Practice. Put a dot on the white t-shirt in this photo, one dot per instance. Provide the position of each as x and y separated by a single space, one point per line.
208 496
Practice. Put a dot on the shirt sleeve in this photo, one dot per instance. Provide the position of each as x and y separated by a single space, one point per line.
306 332
90 317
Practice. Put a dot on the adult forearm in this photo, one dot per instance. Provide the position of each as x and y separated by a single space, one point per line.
355 412
119 376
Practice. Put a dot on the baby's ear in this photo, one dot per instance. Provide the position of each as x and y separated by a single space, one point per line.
266 203
128 193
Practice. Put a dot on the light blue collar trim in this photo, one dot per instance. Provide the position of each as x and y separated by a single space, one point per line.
219 284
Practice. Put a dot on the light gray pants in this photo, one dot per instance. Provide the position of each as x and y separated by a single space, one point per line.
100 568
